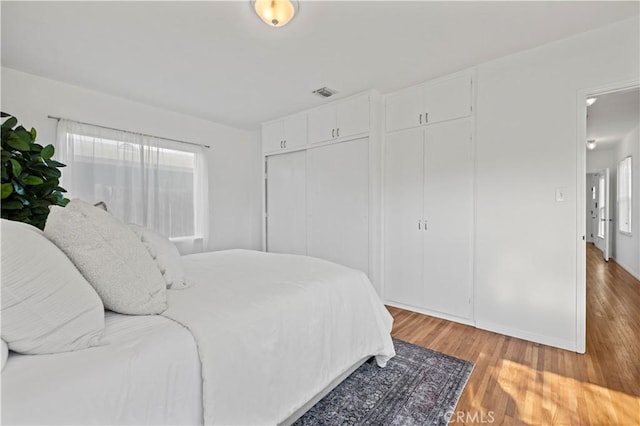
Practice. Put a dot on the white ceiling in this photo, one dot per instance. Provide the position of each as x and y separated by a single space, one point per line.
612 117
218 61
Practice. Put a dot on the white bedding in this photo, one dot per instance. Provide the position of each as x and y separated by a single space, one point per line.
274 330
146 371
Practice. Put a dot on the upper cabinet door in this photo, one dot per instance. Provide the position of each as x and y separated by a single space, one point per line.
447 100
352 116
322 124
295 131
272 136
404 110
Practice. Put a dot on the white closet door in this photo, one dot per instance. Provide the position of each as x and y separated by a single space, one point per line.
448 210
404 110
295 131
338 203
322 124
286 203
353 116
272 136
448 100
403 189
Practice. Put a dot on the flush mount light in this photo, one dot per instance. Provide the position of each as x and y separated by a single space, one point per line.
591 101
591 144
275 13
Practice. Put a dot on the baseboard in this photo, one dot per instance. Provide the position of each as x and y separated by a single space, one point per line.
465 321
526 335
627 268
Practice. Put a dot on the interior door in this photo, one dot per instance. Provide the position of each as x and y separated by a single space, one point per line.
338 203
603 231
449 215
403 192
607 214
286 203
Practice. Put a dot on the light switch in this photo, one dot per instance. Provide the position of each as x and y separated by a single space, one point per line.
561 194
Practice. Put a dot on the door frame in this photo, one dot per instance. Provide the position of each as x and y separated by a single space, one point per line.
581 228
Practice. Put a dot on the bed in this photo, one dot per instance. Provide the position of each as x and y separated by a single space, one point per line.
256 339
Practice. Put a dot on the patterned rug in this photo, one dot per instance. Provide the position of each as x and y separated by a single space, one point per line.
417 387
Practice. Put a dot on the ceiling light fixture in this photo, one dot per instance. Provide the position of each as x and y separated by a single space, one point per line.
591 101
275 13
591 144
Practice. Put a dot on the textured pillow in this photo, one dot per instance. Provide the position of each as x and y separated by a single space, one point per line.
165 254
47 305
110 256
5 354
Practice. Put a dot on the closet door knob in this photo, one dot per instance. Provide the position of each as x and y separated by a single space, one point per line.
285 143
333 135
338 132
419 225
420 118
281 144
426 117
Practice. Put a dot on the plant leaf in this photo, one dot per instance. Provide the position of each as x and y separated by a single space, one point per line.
7 189
17 143
16 167
11 205
34 134
33 180
9 123
47 152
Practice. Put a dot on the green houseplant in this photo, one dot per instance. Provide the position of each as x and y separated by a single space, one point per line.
30 177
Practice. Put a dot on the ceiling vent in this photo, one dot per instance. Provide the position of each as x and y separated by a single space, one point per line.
324 92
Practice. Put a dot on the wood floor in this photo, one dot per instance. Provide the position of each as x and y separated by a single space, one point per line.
519 382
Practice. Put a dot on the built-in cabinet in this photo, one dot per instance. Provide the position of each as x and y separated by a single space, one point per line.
429 103
318 189
429 199
288 133
340 120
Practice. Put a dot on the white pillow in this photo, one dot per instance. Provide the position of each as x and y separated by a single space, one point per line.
5 354
110 256
47 305
165 254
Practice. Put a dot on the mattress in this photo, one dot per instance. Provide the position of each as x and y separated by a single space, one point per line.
274 330
146 371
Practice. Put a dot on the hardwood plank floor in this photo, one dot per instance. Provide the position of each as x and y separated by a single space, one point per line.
524 383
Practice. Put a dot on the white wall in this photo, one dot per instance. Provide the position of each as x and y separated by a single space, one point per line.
234 157
627 247
600 159
526 242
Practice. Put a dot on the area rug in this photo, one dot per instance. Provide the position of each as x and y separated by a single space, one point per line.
417 387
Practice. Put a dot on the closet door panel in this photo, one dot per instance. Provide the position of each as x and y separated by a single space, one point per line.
322 124
272 136
448 210
404 110
353 116
338 203
295 131
448 100
403 188
286 203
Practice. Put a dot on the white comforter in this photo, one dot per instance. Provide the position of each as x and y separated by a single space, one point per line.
274 330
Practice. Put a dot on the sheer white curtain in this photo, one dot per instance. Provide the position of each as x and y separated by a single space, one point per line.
145 180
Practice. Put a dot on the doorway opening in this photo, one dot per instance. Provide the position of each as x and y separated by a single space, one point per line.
610 148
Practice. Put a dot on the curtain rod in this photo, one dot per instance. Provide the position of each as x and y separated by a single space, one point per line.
127 131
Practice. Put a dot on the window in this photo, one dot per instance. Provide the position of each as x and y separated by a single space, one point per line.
145 180
624 195
601 206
